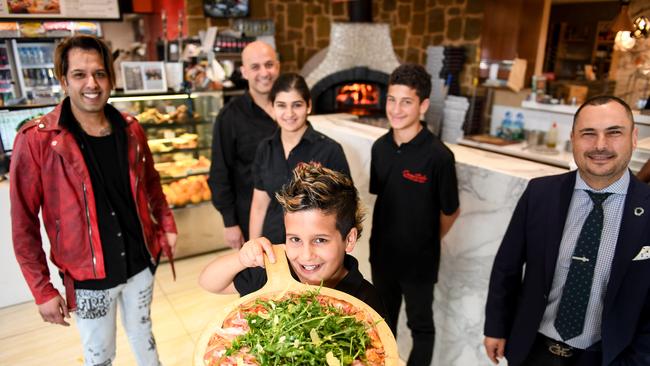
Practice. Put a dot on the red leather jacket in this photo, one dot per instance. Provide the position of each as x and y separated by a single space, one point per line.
48 173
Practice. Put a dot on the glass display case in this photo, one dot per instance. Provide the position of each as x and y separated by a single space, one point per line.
179 132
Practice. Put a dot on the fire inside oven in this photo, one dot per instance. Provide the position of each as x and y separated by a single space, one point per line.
358 98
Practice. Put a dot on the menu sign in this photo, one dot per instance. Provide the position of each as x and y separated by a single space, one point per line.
59 9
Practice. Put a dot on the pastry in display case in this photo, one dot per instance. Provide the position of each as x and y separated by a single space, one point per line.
179 134
179 130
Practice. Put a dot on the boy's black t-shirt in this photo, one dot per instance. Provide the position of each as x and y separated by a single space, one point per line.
252 279
414 183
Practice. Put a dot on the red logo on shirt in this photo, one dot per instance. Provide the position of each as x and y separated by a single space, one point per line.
415 177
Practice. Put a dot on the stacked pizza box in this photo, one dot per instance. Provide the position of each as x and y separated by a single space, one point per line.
454 117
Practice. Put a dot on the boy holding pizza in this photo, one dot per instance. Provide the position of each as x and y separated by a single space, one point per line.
323 222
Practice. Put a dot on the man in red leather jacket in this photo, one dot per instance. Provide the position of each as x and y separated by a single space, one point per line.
88 169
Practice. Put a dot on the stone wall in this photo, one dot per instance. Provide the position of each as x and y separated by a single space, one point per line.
303 26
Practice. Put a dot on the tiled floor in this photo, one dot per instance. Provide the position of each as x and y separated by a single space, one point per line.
180 311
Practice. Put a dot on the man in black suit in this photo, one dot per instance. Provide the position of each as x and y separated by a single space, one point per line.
570 283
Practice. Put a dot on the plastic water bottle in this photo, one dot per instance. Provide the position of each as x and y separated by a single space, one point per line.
518 127
506 126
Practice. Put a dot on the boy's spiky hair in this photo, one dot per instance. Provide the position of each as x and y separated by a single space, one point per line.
316 187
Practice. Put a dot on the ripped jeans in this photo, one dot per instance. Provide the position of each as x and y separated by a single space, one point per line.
96 320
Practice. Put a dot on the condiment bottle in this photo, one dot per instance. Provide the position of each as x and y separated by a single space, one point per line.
551 136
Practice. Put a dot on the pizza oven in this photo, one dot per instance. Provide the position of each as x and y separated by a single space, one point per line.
351 74
359 90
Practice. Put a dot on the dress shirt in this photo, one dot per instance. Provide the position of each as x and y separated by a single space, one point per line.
579 209
120 231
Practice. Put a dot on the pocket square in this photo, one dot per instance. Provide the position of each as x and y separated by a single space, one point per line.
644 254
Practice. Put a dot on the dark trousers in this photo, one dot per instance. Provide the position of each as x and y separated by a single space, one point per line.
541 356
418 297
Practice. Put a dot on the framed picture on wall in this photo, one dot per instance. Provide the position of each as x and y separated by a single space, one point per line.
225 8
144 77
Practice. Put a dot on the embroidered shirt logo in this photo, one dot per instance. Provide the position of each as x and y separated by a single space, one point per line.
415 177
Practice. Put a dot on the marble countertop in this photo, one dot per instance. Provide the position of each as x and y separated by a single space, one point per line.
495 160
560 158
509 165
569 109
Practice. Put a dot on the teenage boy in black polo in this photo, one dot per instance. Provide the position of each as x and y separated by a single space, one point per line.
413 175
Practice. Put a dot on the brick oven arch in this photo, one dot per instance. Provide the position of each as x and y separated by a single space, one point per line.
324 91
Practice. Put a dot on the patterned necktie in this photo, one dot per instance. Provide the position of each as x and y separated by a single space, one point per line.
570 318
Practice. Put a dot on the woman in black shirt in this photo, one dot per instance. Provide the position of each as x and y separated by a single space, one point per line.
294 142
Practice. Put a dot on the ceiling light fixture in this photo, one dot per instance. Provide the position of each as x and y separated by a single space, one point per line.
624 41
641 27
623 27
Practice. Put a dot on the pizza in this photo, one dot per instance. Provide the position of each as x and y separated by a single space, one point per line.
306 328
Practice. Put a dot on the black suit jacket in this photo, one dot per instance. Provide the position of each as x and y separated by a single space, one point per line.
524 266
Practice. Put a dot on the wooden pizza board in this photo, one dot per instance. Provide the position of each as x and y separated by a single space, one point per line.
489 139
279 283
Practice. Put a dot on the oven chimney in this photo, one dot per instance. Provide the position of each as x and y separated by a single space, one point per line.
360 11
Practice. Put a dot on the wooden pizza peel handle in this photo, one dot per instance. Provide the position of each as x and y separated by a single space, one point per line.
278 273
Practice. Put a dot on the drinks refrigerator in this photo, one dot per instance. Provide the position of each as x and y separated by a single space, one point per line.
33 66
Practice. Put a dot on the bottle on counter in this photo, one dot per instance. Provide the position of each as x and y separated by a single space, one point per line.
506 126
551 136
518 127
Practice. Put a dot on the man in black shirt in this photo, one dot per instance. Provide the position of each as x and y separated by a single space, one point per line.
119 228
88 171
239 128
413 175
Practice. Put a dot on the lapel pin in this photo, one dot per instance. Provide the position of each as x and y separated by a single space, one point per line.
638 211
